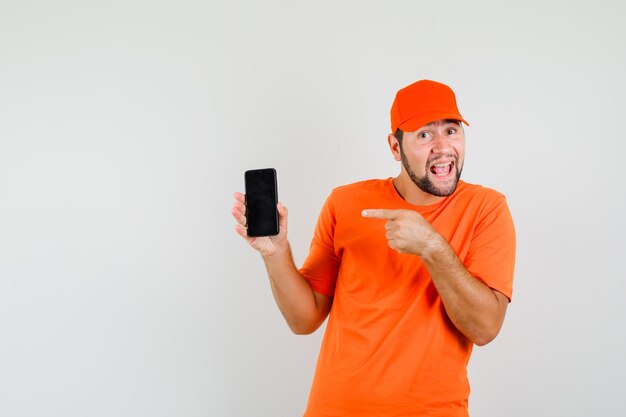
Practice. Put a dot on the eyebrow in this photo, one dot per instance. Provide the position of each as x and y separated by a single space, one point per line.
446 121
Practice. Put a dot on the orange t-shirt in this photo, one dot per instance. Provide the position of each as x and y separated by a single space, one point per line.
390 348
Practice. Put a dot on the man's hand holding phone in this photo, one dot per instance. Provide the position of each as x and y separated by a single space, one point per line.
262 222
266 245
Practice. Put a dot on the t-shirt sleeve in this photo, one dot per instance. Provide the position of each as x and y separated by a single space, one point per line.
321 266
491 256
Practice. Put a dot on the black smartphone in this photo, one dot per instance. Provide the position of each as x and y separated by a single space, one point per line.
261 200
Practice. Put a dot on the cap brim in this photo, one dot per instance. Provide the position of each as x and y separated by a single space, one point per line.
417 122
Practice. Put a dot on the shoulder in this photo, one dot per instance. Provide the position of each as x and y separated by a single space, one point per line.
352 198
466 190
349 192
478 199
360 187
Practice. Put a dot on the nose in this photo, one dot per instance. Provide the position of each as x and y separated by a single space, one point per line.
441 145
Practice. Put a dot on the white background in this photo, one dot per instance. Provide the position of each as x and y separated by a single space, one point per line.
125 127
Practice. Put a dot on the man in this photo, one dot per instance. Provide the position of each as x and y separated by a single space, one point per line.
417 269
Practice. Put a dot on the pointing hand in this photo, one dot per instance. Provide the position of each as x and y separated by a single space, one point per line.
407 231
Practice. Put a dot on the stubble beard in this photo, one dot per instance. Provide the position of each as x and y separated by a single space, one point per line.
425 184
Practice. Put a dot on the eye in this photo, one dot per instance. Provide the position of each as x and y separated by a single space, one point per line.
424 137
451 131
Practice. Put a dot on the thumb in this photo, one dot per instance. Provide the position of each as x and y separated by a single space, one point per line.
282 215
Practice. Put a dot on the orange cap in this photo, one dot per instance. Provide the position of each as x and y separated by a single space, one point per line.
421 103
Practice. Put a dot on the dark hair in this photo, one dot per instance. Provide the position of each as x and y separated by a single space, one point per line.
398 135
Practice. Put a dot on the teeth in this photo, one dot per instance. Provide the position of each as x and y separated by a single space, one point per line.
443 167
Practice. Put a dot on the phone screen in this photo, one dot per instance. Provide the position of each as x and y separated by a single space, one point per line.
261 200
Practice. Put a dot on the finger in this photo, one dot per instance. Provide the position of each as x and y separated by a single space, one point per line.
240 206
282 215
380 213
282 210
238 215
240 197
393 244
241 231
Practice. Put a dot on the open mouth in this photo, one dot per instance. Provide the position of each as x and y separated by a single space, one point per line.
442 169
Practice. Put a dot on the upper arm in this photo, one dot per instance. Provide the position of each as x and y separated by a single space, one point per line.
321 266
491 255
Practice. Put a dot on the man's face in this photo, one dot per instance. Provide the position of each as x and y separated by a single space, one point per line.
433 156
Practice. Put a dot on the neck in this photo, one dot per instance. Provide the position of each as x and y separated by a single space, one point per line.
411 193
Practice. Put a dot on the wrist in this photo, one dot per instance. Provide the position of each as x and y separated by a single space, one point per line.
436 246
278 251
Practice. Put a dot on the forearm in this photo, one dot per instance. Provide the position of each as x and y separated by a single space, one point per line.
292 292
472 306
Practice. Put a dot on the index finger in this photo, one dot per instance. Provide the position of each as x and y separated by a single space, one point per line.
380 214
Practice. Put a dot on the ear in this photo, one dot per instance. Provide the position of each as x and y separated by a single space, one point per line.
394 146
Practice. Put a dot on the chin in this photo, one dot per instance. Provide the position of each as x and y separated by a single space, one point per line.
443 190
